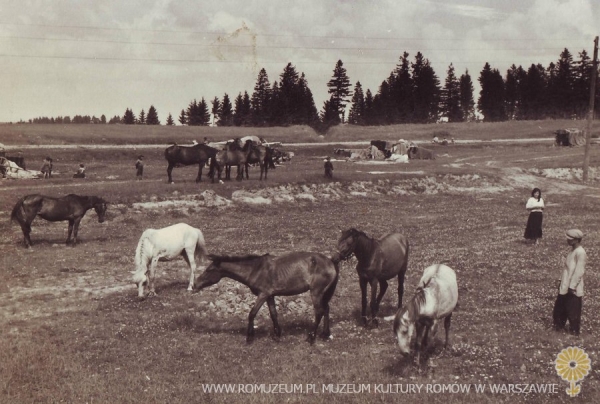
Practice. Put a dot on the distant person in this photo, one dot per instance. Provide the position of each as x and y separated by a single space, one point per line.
435 140
570 292
444 141
205 141
139 167
535 206
46 168
452 140
194 142
80 172
328 168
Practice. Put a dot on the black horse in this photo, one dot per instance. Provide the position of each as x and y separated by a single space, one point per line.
268 276
200 154
71 207
379 260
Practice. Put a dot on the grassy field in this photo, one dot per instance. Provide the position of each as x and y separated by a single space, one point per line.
73 330
26 134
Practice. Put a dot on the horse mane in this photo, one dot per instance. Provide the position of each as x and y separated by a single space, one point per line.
418 301
234 258
413 307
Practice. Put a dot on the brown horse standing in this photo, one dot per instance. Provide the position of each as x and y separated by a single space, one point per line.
286 275
261 155
177 156
71 207
378 261
233 154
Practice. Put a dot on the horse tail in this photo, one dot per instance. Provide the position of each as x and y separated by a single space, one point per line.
331 288
141 264
200 253
212 166
405 263
16 214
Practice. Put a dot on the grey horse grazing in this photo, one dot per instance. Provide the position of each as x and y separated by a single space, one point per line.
435 300
268 276
379 260
164 245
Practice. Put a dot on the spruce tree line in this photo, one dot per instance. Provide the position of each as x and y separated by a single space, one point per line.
412 93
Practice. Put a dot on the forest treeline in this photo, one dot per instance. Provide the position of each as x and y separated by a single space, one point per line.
412 93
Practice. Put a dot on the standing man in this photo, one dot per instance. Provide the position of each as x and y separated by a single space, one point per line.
328 168
139 166
570 294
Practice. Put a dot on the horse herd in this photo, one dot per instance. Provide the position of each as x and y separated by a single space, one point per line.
267 276
233 154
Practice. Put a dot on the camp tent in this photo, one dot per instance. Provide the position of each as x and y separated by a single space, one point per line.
569 137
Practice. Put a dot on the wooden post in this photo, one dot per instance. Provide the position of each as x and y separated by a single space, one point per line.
590 118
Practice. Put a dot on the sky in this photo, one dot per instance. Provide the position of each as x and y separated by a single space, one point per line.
95 57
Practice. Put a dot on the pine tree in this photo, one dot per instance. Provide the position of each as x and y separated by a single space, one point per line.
339 88
216 107
170 121
203 114
330 114
142 118
400 101
288 97
512 91
491 97
261 99
533 94
152 118
128 118
369 116
308 110
225 112
102 119
450 102
238 113
192 114
467 102
582 82
425 92
182 117
356 116
561 87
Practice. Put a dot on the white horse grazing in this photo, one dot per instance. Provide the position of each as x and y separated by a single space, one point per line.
435 299
164 245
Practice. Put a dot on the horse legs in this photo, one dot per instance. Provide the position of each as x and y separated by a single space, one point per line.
199 177
26 228
273 313
71 223
383 285
191 260
257 305
75 229
151 276
169 171
447 321
401 276
363 295
374 303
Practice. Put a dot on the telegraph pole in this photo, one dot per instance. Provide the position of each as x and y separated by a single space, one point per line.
590 118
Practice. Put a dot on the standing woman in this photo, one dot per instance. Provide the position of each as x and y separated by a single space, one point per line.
535 206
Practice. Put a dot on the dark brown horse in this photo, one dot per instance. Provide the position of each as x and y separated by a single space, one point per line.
379 260
200 154
286 275
71 207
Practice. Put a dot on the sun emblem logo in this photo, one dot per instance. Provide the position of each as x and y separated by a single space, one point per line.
573 365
